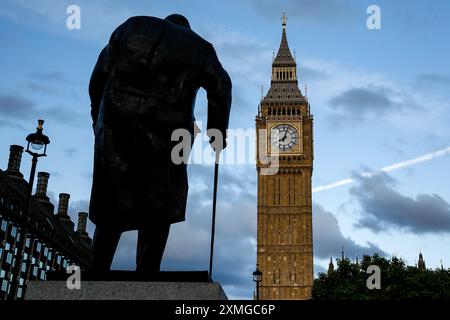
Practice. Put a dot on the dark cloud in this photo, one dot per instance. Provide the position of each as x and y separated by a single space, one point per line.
14 106
361 104
15 124
385 208
363 101
49 82
40 87
55 175
64 114
433 79
47 75
70 152
328 238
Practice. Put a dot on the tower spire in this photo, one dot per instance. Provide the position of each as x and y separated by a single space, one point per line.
284 55
284 84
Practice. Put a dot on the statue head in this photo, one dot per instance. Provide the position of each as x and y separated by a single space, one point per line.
179 20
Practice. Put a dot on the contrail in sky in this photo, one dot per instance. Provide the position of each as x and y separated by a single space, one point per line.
393 167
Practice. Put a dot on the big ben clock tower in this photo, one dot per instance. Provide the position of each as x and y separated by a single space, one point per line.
284 243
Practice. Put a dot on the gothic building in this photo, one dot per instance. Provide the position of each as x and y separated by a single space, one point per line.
421 263
284 229
51 242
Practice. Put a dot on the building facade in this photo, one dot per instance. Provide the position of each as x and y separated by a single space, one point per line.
284 231
51 241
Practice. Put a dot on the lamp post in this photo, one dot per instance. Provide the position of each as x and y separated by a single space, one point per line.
36 147
257 277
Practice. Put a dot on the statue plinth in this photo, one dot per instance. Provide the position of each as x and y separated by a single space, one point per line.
126 285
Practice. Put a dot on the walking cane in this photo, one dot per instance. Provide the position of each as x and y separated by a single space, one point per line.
213 224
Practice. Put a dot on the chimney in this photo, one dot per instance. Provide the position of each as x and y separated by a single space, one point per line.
15 157
41 187
82 221
63 206
81 229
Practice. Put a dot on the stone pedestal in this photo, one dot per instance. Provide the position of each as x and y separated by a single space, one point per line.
125 290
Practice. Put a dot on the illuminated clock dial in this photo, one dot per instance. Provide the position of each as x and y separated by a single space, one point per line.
284 137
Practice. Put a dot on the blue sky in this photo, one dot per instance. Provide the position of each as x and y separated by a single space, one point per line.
379 97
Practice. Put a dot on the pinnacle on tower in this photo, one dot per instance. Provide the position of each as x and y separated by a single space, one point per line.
421 262
330 266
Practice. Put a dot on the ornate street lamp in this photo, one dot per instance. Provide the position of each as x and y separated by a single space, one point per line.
257 277
37 141
36 147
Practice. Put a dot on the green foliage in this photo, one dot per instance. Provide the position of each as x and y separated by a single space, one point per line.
398 281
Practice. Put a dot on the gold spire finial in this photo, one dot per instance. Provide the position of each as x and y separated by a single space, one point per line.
284 19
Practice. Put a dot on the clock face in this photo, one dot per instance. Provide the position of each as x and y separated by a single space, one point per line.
284 138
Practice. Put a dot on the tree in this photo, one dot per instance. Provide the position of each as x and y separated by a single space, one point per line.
398 281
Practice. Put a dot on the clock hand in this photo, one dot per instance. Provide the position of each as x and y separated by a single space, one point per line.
284 138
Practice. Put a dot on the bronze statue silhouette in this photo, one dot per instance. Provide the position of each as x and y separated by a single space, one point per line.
142 88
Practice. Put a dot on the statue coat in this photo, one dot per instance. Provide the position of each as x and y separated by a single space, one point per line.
142 88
